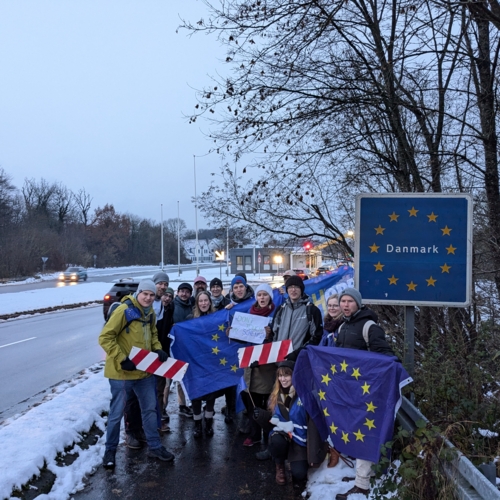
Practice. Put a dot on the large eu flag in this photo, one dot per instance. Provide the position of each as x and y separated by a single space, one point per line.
352 396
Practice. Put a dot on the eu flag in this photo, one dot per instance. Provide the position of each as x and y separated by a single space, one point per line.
352 396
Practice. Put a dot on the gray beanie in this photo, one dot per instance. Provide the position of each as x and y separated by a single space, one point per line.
352 292
146 285
161 276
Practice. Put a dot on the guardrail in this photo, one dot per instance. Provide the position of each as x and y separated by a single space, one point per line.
471 484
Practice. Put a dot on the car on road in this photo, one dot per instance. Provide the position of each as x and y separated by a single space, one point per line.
324 270
302 273
74 274
120 289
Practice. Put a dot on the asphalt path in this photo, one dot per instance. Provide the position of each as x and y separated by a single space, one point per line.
39 352
217 467
100 275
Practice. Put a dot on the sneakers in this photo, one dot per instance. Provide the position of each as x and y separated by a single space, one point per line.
263 455
132 442
353 491
250 442
161 454
186 411
165 428
108 462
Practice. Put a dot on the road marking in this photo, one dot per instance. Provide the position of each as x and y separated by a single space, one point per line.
18 342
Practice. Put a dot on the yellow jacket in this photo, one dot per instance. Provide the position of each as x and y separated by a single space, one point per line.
117 342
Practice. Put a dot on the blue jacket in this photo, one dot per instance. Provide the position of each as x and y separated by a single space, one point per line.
298 416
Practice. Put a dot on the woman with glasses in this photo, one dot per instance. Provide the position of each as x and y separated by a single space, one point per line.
332 320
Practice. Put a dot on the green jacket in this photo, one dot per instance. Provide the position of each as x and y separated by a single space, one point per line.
117 343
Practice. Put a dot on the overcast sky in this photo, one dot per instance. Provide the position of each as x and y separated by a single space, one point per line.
92 94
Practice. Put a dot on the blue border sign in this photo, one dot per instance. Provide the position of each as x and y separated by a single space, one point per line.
414 249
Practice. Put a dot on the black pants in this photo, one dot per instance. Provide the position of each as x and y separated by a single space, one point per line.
279 447
197 403
260 401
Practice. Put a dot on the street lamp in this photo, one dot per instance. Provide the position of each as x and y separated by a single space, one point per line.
278 259
161 216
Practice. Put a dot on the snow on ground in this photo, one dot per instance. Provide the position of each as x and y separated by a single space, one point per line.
30 440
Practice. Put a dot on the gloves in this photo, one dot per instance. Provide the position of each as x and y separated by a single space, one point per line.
253 364
162 355
128 365
256 412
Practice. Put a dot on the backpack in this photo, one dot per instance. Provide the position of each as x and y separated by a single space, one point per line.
366 328
131 314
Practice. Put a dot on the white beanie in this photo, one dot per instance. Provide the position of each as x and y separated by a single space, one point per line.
264 287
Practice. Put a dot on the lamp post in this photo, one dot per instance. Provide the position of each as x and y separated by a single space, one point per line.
278 260
178 240
197 250
161 212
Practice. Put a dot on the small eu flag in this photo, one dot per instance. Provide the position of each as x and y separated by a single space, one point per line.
351 395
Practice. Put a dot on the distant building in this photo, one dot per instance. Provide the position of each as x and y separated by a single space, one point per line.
206 249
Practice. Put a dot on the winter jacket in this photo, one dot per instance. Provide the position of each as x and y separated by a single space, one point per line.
224 301
330 326
118 341
182 309
164 325
248 294
297 417
351 333
291 322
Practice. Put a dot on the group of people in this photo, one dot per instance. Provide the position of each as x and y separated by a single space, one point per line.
274 413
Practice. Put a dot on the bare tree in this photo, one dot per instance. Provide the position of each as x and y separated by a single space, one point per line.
83 202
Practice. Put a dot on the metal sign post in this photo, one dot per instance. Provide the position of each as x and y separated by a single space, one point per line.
219 255
44 260
414 249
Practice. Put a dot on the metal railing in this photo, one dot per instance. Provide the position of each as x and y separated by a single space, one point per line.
471 484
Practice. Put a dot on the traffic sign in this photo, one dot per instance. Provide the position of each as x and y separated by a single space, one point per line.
219 255
259 258
414 249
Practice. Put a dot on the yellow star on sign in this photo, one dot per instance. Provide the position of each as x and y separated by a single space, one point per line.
223 361
215 350
321 395
432 217
393 217
445 269
412 286
333 368
371 407
325 379
379 230
345 437
451 249
370 424
325 411
215 337
355 373
359 435
234 368
343 366
446 231
413 212
365 388
431 281
378 266
374 248
333 428
393 280
222 328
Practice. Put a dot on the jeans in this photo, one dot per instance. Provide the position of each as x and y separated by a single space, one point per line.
121 390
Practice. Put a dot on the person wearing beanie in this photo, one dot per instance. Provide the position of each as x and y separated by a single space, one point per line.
350 335
298 319
240 291
218 300
161 277
132 324
200 285
259 380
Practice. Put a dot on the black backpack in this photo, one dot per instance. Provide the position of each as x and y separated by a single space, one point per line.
131 314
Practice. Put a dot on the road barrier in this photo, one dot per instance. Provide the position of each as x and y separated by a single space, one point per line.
471 484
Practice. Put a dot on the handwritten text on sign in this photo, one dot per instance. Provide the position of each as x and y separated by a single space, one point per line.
249 328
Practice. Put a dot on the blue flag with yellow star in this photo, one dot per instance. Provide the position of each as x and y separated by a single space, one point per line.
352 396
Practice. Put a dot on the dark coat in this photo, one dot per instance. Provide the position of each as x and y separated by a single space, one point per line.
164 325
351 333
222 304
182 309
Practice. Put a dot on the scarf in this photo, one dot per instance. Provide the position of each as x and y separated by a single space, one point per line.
259 311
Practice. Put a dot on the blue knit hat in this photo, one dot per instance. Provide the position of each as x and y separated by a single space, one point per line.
238 279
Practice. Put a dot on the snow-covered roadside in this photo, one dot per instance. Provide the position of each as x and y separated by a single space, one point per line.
35 438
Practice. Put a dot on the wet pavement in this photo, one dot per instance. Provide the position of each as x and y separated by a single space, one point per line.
217 467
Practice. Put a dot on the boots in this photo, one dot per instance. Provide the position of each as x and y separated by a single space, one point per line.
280 474
197 428
209 427
334 457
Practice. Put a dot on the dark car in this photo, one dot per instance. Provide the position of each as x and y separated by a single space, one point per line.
324 270
74 274
301 273
120 289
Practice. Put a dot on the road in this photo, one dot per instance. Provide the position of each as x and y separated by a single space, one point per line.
39 352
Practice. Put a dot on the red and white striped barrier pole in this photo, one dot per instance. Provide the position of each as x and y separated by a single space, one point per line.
148 361
272 352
